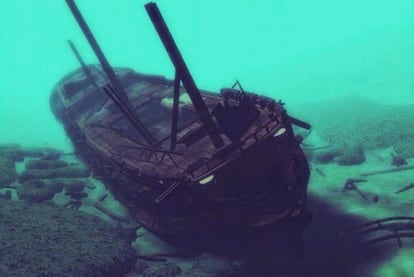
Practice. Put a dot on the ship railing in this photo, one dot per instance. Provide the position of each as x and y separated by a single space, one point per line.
146 154
152 155
205 167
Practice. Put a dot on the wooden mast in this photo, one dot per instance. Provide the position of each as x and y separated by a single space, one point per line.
118 91
184 74
85 69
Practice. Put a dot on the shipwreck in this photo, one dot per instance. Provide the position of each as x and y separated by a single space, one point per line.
181 159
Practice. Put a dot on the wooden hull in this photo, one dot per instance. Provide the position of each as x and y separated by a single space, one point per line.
257 181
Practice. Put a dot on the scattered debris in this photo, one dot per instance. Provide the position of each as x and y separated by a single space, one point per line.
98 205
382 230
398 160
350 184
401 168
314 148
320 171
407 187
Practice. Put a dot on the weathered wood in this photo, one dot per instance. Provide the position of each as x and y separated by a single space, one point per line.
405 188
320 172
185 75
118 92
174 120
314 148
390 170
85 69
260 180
100 206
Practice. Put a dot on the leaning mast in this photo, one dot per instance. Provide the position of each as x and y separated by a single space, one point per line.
117 93
184 74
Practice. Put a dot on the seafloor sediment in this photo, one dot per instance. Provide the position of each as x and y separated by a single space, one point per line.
46 240
45 231
351 121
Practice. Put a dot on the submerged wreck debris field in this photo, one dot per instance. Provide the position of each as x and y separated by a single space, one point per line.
348 212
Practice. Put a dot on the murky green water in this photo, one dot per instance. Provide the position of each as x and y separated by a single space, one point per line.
347 67
294 50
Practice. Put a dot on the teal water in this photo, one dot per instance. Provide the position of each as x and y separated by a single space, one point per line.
294 50
347 67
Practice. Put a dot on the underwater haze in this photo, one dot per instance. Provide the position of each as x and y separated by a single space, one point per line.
338 190
298 51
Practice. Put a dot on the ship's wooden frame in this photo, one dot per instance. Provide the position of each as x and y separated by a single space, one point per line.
182 166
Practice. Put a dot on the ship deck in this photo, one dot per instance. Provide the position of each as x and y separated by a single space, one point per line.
108 131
